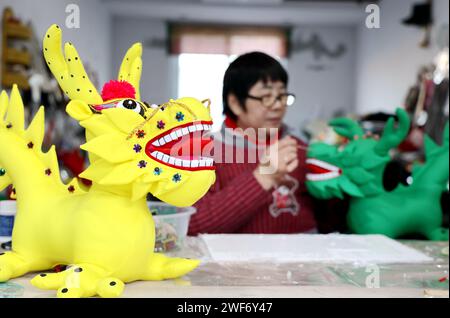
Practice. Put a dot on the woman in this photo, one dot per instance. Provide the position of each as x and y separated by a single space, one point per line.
260 166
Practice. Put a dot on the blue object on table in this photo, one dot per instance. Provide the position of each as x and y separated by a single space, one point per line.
6 225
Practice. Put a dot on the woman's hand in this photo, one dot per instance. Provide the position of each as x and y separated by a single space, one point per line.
279 160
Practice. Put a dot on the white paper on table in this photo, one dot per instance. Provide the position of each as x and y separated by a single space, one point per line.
333 248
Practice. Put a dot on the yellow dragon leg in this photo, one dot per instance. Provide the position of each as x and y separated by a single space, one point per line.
81 280
14 265
163 267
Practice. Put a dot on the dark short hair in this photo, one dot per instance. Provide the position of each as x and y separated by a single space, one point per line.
246 71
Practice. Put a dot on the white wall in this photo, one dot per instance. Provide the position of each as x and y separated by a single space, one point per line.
322 93
374 75
389 58
242 11
92 39
158 81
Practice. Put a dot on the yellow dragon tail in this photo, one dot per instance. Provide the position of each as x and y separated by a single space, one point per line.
22 161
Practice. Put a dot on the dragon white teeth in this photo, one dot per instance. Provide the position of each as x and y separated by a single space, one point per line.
174 135
321 164
194 163
186 163
322 176
203 162
334 171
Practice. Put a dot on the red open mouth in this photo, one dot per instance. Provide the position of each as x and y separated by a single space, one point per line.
182 147
319 170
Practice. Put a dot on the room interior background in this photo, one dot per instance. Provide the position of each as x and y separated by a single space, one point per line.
371 72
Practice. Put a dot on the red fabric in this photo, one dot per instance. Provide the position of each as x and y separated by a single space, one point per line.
73 160
236 203
230 123
117 89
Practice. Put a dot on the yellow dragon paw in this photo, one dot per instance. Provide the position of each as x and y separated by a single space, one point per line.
11 265
5 273
163 267
80 281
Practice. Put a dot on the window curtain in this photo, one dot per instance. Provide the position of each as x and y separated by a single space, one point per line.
228 40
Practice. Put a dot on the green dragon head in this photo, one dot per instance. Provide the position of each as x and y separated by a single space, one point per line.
355 168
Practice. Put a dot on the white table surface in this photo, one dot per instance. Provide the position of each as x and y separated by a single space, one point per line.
287 280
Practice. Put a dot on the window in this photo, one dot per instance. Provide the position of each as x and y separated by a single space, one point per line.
204 53
201 76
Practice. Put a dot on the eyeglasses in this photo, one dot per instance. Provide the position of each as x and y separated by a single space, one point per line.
286 99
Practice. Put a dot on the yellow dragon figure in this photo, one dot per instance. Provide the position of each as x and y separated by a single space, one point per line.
105 233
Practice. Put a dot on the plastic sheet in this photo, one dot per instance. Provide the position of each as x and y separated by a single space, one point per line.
418 276
11 290
277 279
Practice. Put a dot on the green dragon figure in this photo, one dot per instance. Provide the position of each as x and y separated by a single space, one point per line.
357 168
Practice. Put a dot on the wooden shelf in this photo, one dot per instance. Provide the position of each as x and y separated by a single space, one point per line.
15 56
8 79
14 30
17 31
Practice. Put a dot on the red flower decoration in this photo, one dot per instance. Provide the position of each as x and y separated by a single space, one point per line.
118 89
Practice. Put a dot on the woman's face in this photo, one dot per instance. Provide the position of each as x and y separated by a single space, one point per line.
258 115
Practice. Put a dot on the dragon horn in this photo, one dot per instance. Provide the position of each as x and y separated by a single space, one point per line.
131 67
68 68
346 127
392 136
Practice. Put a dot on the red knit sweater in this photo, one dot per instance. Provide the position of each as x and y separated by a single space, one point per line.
236 203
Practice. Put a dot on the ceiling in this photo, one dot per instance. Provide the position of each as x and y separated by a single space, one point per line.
253 2
275 12
333 1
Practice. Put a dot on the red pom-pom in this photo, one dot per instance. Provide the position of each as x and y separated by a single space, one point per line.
118 89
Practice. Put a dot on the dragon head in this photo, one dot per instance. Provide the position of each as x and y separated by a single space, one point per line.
162 154
356 167
134 146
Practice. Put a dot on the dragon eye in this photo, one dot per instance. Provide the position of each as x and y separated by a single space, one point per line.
132 105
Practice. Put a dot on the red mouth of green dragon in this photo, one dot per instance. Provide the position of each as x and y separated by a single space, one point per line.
183 147
318 170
